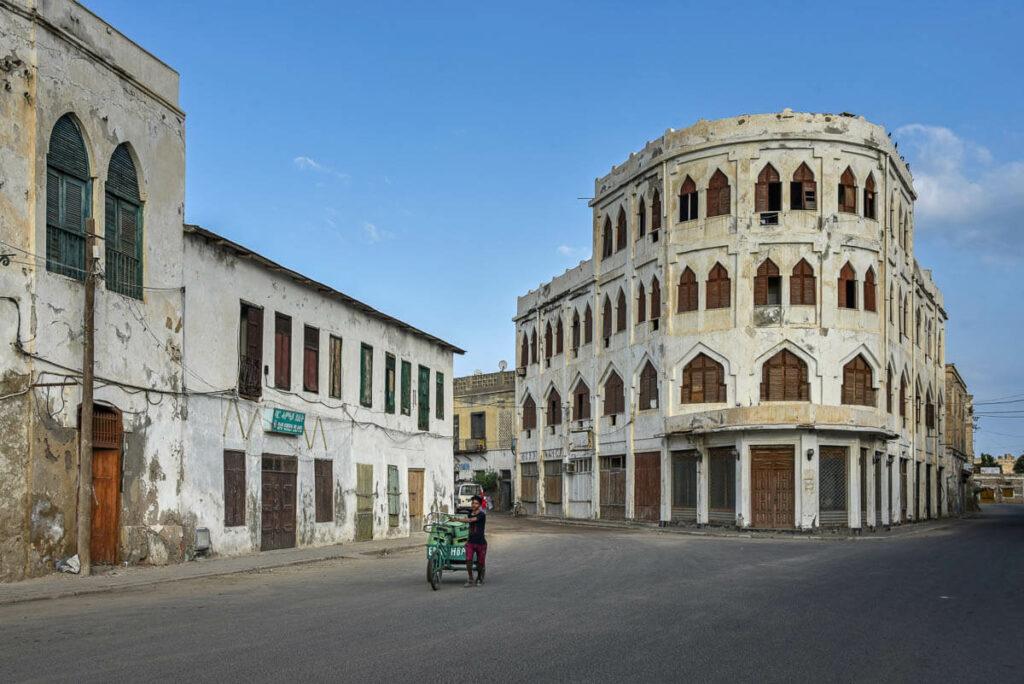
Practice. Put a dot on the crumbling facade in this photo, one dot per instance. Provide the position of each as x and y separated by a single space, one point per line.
959 437
485 429
752 343
92 138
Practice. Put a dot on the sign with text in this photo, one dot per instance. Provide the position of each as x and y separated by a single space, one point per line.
284 421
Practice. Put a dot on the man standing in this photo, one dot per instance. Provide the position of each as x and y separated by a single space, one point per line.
476 545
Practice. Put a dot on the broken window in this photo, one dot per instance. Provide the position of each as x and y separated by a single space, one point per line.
768 190
803 190
767 284
847 287
848 192
688 200
869 197
250 351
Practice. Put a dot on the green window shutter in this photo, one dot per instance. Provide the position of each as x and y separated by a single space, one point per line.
394 496
389 383
366 376
439 395
123 225
406 388
423 397
67 200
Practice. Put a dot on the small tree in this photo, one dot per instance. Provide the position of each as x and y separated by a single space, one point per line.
988 460
1018 466
488 479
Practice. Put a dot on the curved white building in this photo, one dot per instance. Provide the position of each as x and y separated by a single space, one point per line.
752 343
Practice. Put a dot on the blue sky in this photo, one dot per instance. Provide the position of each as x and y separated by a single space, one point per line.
427 157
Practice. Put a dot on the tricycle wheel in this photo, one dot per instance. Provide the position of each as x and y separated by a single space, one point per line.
433 575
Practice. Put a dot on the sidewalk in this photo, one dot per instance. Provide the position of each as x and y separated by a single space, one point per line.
60 585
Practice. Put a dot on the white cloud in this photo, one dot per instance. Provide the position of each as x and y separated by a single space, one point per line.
964 194
375 234
566 250
309 164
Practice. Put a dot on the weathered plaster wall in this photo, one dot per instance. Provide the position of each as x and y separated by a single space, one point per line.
743 336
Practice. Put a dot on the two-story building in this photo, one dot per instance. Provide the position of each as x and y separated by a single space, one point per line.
485 429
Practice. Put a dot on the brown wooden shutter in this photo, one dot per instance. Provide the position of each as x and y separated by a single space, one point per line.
641 219
588 326
529 414
311 359
641 304
282 351
548 346
655 299
802 284
323 494
575 330
606 318
620 312
234 488
621 230
656 212
718 195
524 352
869 291
764 271
846 275
559 335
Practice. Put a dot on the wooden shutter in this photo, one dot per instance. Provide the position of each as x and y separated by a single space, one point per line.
439 395
765 180
311 359
846 275
423 399
641 219
529 414
548 346
234 488
606 249
533 346
389 383
648 387
575 330
366 375
620 312
323 494
641 304
784 378
869 290
719 288
655 299
656 212
802 284
614 395
406 388
766 270
581 401
282 351
335 370
588 326
606 318
554 408
524 351
848 192
621 230
718 195
559 335
687 295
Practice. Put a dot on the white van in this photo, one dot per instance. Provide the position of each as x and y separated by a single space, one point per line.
464 494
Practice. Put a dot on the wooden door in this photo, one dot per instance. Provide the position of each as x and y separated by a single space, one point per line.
364 501
903 490
278 517
647 486
613 487
772 490
106 505
415 499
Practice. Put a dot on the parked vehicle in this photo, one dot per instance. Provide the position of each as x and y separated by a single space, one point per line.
464 496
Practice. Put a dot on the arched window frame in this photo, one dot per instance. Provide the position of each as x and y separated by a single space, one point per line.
718 288
655 214
641 219
858 383
548 343
606 319
767 284
888 389
686 295
784 378
68 199
641 303
588 325
870 208
703 381
870 289
529 414
803 285
581 401
123 225
621 314
614 395
575 331
607 244
559 336
524 351
655 299
768 190
621 231
847 287
803 189
847 196
648 394
719 196
554 408
688 200
533 346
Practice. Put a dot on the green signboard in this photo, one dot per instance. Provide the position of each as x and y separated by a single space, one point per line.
283 421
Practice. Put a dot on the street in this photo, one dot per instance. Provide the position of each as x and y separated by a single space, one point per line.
568 603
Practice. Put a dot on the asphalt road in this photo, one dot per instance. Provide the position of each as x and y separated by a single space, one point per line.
568 604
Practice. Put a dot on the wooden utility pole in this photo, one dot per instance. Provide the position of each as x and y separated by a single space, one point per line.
85 494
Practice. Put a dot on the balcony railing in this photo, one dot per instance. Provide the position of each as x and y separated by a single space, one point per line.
472 445
249 383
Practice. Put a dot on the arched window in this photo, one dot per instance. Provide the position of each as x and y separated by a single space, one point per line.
686 297
784 378
768 190
641 219
918 395
641 304
869 290
892 303
906 230
655 299
533 346
554 416
621 230
847 287
848 192
903 399
903 233
575 331
703 381
803 190
929 411
529 414
869 197
606 238
524 351
802 284
620 312
767 284
67 199
719 202
581 401
888 389
559 336
606 319
719 288
614 395
648 387
688 200
548 346
123 234
655 214
905 328
588 326
917 327
857 383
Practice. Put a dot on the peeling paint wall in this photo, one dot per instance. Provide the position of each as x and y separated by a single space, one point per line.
743 336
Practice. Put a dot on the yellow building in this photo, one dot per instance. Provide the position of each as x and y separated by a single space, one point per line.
484 429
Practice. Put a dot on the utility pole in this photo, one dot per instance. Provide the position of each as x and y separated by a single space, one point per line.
85 494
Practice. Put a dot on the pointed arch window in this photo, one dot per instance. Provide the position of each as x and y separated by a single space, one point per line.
575 331
641 219
686 297
620 312
703 381
719 197
892 303
581 401
648 387
641 304
858 383
621 231
848 192
123 225
688 200
767 284
802 284
784 378
588 326
529 414
888 389
768 190
803 189
559 337
606 319
655 299
869 290
67 199
554 413
533 346
548 345
903 399
655 215
614 395
847 287
606 238
929 411
719 288
870 209
524 351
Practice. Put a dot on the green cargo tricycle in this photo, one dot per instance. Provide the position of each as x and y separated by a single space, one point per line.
446 546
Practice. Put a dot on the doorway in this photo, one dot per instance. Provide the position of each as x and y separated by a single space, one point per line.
106 485
415 499
364 501
278 502
647 486
772 490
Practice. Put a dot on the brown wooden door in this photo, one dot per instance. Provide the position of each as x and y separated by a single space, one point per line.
903 490
106 505
772 490
415 499
364 501
647 486
278 503
613 487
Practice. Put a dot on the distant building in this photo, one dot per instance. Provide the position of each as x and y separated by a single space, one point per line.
959 434
484 428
